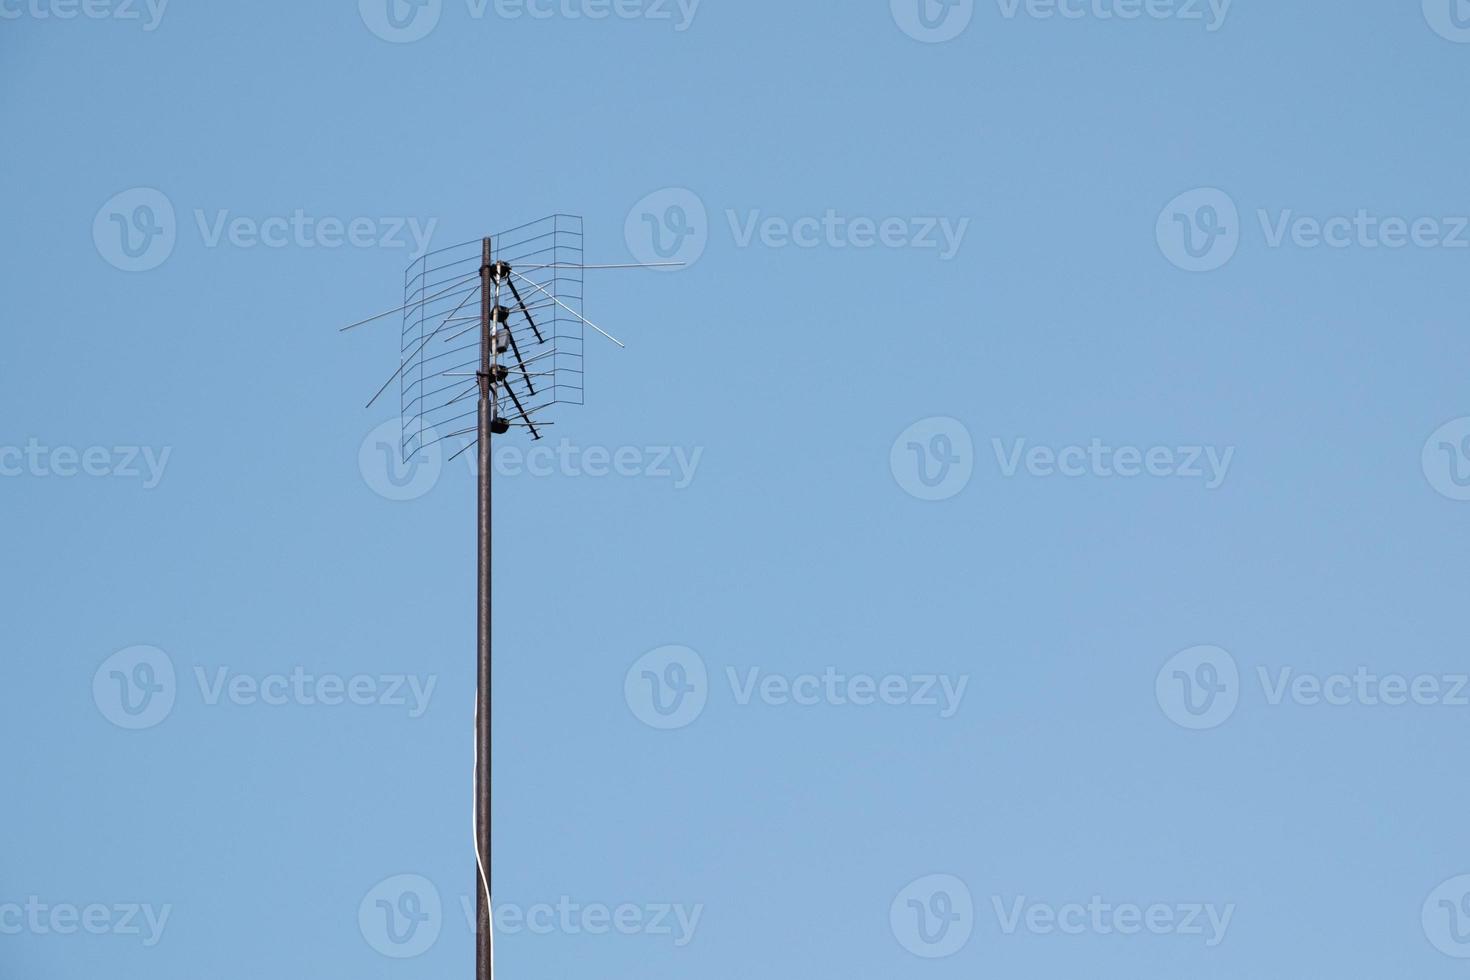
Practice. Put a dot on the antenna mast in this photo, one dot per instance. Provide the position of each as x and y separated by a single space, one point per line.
489 360
543 335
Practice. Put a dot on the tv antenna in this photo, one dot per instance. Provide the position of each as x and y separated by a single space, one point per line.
519 356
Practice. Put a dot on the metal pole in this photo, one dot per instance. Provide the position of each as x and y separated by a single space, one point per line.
483 941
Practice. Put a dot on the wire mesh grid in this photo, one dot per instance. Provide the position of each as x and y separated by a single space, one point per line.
440 341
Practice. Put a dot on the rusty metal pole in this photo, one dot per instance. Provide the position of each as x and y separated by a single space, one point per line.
483 925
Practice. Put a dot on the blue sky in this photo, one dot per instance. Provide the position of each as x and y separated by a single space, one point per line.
1025 539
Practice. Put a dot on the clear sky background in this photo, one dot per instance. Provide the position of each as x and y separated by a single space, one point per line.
1123 276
